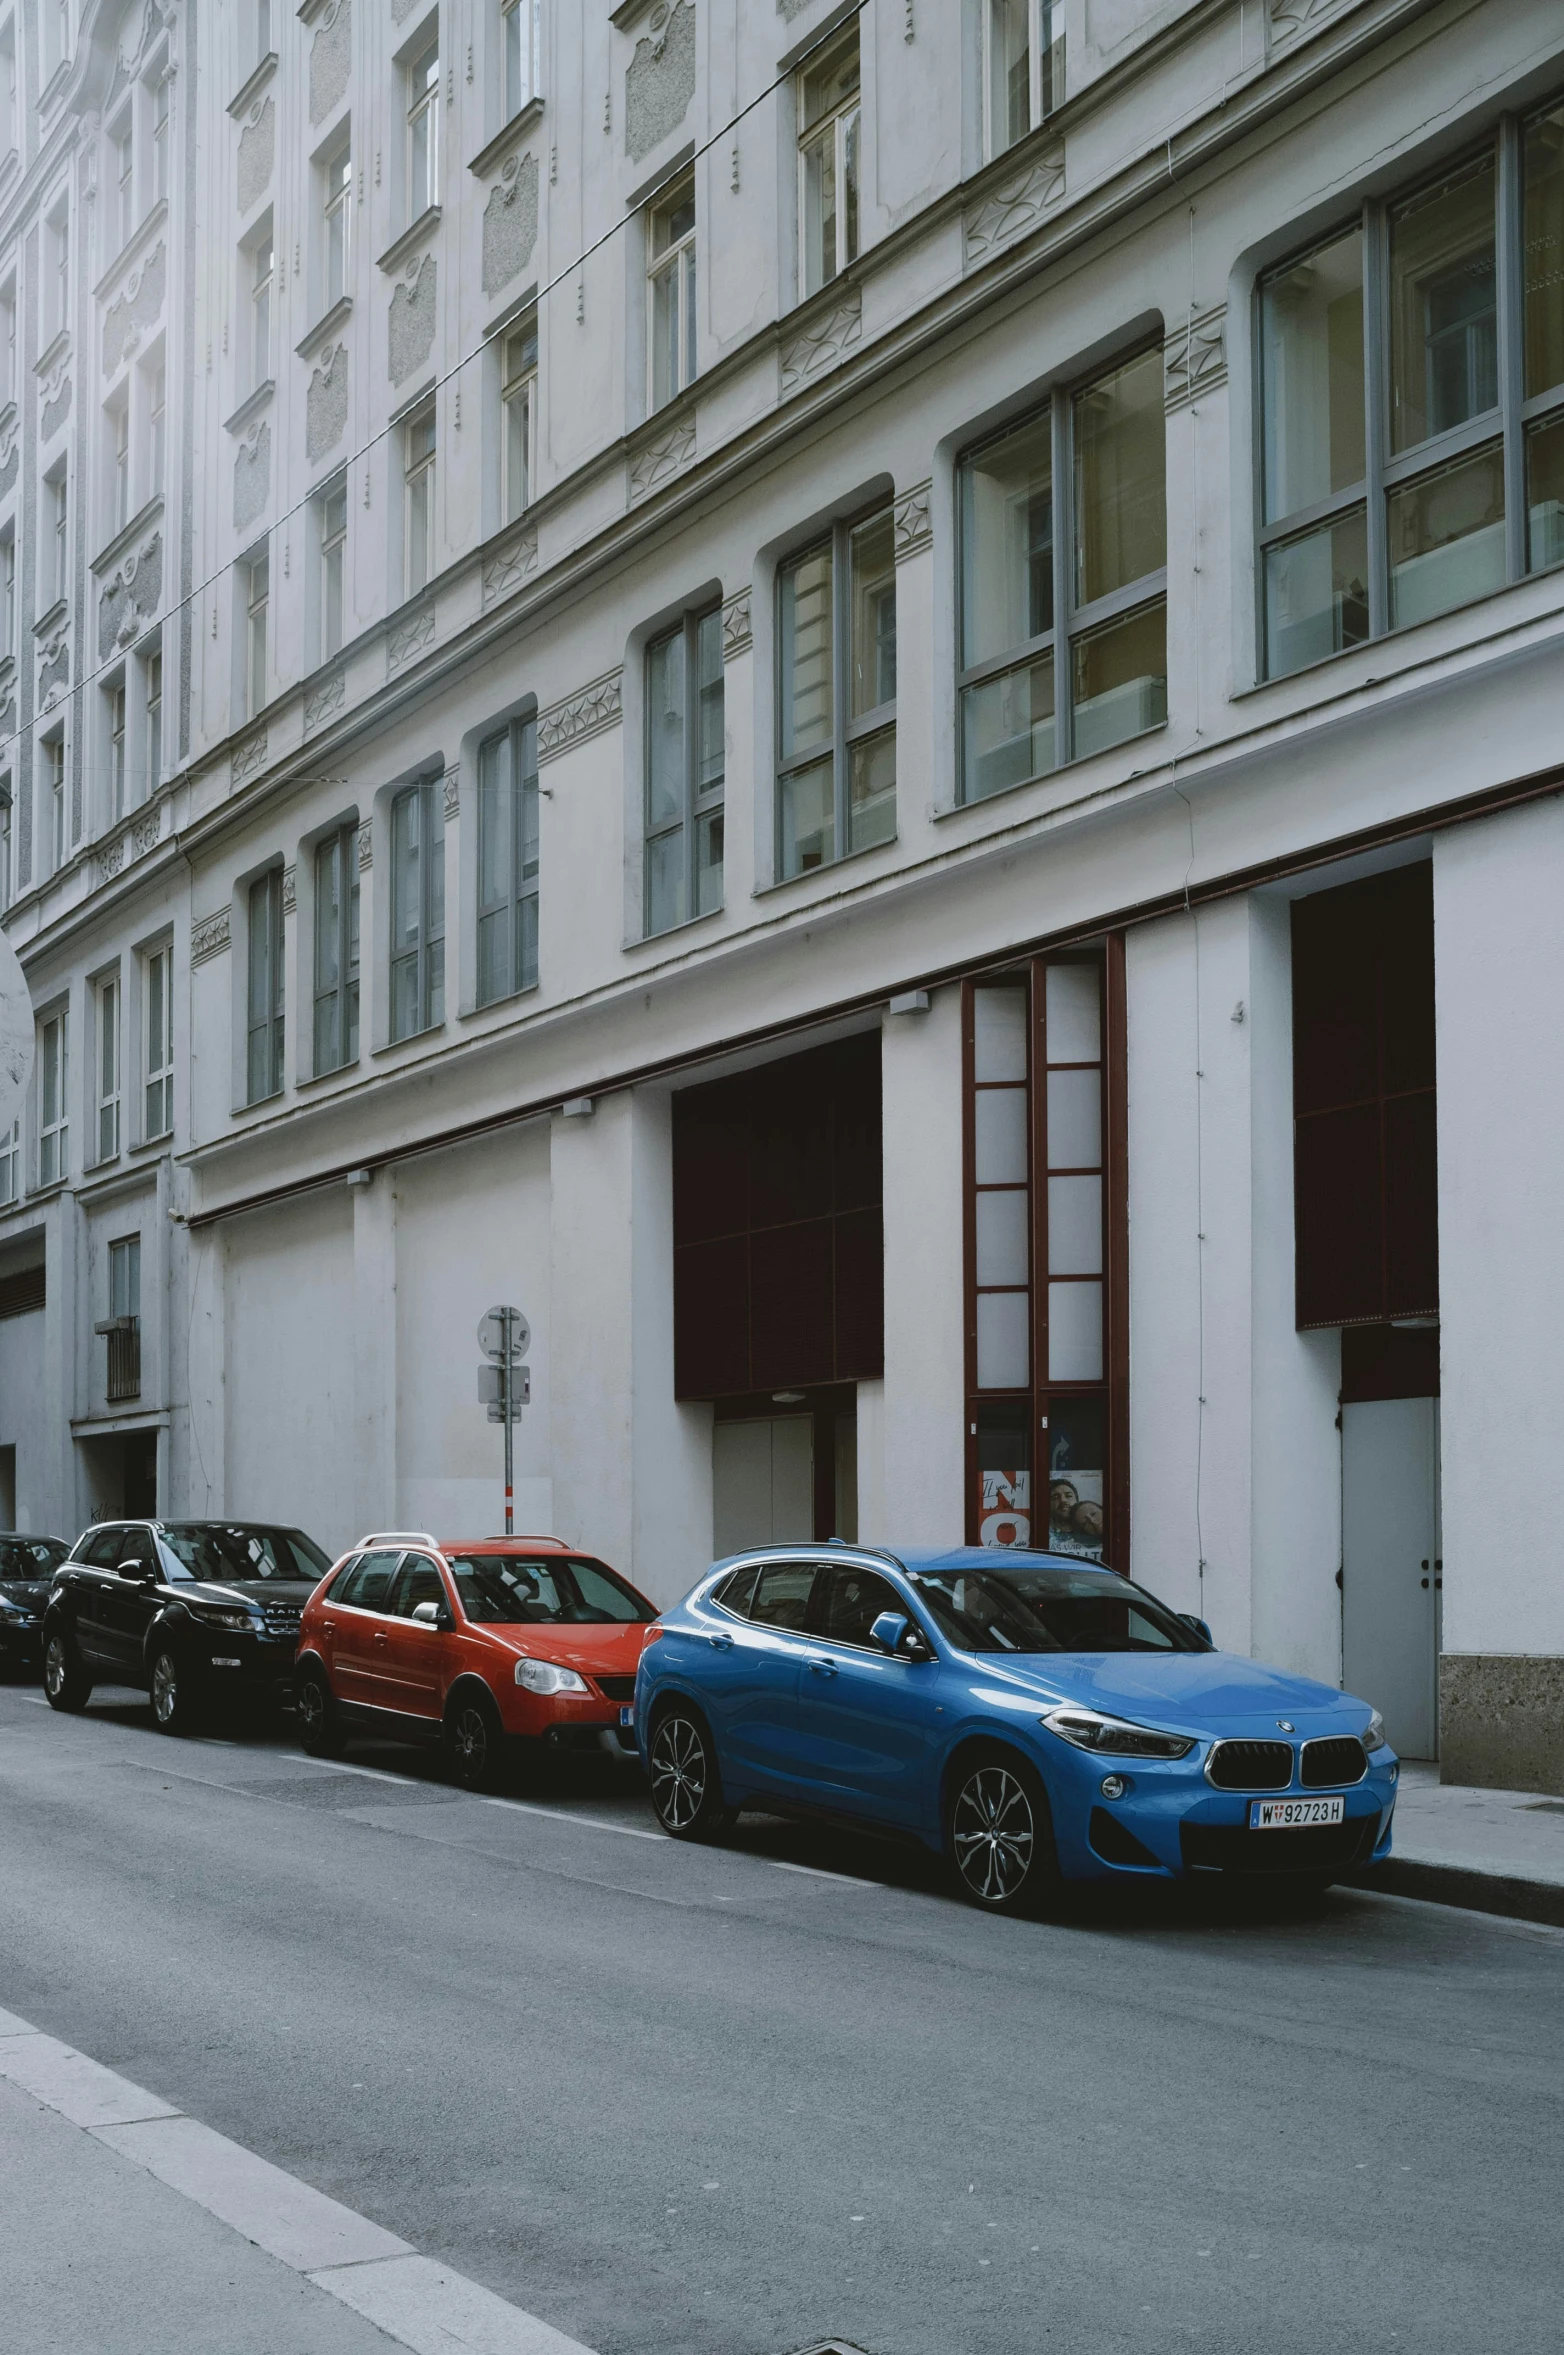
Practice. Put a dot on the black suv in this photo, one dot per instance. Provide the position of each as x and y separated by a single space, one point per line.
27 1566
194 1612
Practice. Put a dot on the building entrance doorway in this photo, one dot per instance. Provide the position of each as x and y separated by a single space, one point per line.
787 1477
1390 1565
121 1476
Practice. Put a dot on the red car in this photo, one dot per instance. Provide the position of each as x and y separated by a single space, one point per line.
500 1649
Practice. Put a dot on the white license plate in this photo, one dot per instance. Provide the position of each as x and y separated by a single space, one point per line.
627 1716
1289 1815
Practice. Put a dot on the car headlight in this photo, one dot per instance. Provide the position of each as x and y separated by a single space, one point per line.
545 1676
240 1621
1088 1729
1373 1735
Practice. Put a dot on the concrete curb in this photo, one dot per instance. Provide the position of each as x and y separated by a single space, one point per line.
1458 1885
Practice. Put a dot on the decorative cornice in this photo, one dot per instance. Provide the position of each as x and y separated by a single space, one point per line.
509 136
209 936
661 457
125 539
413 634
251 406
54 355
738 631
1015 208
1194 358
1291 19
510 562
911 524
453 785
251 90
143 236
366 846
324 701
249 757
325 327
146 829
588 712
416 234
825 338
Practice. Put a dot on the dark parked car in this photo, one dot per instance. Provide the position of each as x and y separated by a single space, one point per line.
27 1566
200 1614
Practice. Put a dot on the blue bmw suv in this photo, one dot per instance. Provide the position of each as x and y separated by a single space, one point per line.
1030 1717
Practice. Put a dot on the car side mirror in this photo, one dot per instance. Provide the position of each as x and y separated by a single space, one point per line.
139 1573
436 1615
1200 1628
895 1633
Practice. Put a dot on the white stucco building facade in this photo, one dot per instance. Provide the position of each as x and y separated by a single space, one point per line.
567 559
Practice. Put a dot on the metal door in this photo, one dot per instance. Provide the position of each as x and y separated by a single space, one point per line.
1390 1566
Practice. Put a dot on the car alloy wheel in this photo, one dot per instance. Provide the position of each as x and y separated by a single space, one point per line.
66 1684
475 1740
686 1787
999 1847
170 1699
319 1728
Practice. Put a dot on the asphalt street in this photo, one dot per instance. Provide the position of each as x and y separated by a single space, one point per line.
745 2100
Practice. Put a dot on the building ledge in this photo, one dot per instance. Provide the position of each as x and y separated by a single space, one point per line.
250 406
54 612
55 349
325 327
104 1426
509 135
416 233
140 238
254 86
127 535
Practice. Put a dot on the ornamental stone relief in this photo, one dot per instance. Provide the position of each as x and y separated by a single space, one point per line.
130 597
576 717
325 701
1014 209
827 339
252 476
331 56
209 936
56 405
1194 358
134 310
657 461
249 758
410 637
257 153
145 831
326 402
54 669
911 525
510 564
410 328
510 222
660 80
738 628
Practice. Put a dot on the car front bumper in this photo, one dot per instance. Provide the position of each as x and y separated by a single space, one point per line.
1182 1827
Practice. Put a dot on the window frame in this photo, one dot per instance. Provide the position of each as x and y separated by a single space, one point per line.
257 630
1509 421
336 215
678 261
340 1001
846 731
261 249
107 1073
426 955
117 703
519 737
698 802
420 478
1045 71
58 485
838 128
332 552
264 1004
152 716
157 1036
422 115
59 832
1072 623
519 386
54 1072
122 141
514 15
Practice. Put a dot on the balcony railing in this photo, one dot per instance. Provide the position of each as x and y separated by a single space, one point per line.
124 1339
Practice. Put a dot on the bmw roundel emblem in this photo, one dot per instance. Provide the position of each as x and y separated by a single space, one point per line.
1286 1725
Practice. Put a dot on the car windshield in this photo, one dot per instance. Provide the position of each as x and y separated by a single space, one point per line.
229 1551
31 1558
1021 1607
511 1590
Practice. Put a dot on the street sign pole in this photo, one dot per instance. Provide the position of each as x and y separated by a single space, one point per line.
505 1385
505 1366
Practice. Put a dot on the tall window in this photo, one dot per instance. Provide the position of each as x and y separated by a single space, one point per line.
57 509
256 576
519 41
336 950
8 592
836 611
123 1330
684 772
828 163
11 1162
337 179
1408 466
508 862
152 705
418 460
57 236
53 1093
162 93
1046 1229
122 151
114 713
520 400
423 132
157 428
264 1021
417 909
157 1008
263 261
332 510
671 260
54 777
1025 67
1063 632
119 462
263 29
108 1070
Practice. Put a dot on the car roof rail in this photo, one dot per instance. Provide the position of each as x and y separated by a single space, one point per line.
524 1537
400 1537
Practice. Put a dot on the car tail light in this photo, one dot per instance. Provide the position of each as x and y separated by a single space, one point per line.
650 1635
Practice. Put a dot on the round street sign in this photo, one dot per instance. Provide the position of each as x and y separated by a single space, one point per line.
491 1333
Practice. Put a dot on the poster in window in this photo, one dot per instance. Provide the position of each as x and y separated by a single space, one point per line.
1007 1509
1076 1486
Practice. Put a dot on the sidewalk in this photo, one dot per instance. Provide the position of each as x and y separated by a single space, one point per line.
1491 1851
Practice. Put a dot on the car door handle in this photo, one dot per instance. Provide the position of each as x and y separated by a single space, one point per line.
381 1637
823 1667
720 1643
328 1627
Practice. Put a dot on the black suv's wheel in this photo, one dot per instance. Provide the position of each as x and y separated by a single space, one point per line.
475 1740
685 1778
320 1727
66 1683
174 1709
998 1832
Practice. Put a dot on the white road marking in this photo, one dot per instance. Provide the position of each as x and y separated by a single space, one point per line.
817 1872
415 2300
593 1823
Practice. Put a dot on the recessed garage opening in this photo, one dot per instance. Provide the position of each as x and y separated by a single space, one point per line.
779 1285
